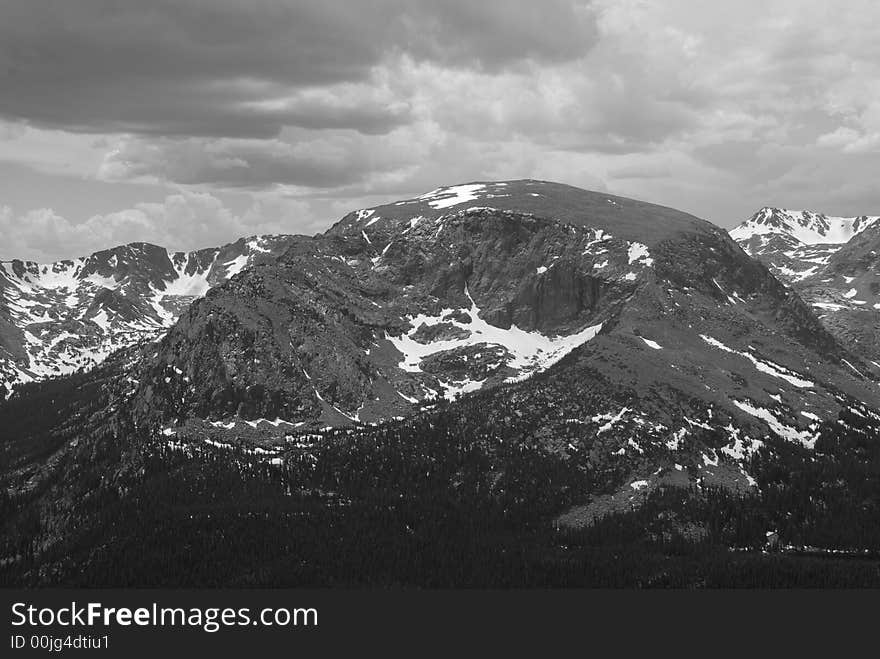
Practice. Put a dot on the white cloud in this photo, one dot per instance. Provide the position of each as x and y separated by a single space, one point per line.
186 220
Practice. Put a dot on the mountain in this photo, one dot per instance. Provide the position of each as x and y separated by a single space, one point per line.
678 332
445 294
57 318
831 262
516 365
799 228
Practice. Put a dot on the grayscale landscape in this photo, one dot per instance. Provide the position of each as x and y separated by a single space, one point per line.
300 294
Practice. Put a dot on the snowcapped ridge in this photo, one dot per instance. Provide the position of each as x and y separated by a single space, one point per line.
73 313
806 227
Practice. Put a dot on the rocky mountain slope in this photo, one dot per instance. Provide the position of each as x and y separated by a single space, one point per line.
833 264
57 318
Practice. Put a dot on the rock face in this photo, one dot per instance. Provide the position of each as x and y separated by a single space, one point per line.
833 264
60 317
351 320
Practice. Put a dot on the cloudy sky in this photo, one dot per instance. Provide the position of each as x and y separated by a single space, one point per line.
191 122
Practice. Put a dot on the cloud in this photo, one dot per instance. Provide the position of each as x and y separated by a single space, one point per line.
186 220
715 108
491 35
311 159
225 68
235 163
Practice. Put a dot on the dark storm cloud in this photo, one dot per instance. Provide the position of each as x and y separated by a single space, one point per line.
183 107
233 68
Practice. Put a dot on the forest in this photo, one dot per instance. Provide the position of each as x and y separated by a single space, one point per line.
447 498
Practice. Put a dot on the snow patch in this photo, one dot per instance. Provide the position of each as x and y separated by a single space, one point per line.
236 265
610 418
453 196
638 252
805 437
769 368
529 352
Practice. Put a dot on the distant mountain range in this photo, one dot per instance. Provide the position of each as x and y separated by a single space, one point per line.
465 288
833 263
633 346
58 318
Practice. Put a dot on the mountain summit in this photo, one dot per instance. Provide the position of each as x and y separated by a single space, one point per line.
627 219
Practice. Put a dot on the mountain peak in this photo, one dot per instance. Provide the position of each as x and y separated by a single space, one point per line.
802 227
624 218
71 314
830 261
